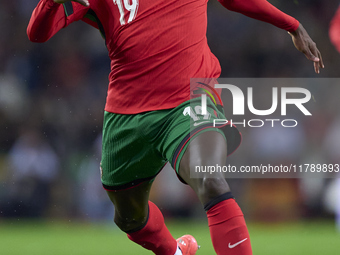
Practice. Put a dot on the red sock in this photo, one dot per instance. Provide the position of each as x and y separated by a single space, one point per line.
155 236
228 230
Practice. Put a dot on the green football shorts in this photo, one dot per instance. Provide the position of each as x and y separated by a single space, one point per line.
136 147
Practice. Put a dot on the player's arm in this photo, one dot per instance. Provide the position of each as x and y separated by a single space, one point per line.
264 11
48 18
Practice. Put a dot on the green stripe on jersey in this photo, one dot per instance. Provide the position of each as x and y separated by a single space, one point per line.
91 15
68 8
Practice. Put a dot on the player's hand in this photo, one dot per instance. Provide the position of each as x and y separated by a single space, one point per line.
82 2
305 44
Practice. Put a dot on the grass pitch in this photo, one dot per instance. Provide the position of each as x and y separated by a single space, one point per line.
68 238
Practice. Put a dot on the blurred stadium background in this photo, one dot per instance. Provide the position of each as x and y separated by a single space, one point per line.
51 106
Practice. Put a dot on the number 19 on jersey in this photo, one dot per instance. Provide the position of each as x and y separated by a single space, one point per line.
124 5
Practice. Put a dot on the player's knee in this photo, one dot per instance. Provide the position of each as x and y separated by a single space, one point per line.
209 188
212 185
130 224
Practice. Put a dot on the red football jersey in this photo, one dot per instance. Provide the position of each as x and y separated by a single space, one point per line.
155 46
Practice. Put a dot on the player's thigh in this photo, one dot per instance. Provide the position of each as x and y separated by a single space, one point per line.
206 149
194 141
188 125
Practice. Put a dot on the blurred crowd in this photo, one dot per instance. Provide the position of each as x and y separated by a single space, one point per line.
52 97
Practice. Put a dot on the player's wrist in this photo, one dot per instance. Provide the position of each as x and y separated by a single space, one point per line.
298 31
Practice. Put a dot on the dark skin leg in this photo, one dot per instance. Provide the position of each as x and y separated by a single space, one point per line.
208 149
131 206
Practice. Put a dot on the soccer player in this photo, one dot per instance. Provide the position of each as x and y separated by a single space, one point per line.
155 47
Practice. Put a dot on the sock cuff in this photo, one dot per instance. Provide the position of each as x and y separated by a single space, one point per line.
154 222
224 211
153 209
217 200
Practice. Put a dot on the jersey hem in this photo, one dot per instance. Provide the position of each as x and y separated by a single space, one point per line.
118 110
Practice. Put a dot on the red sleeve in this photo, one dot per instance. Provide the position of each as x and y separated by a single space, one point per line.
49 17
262 10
